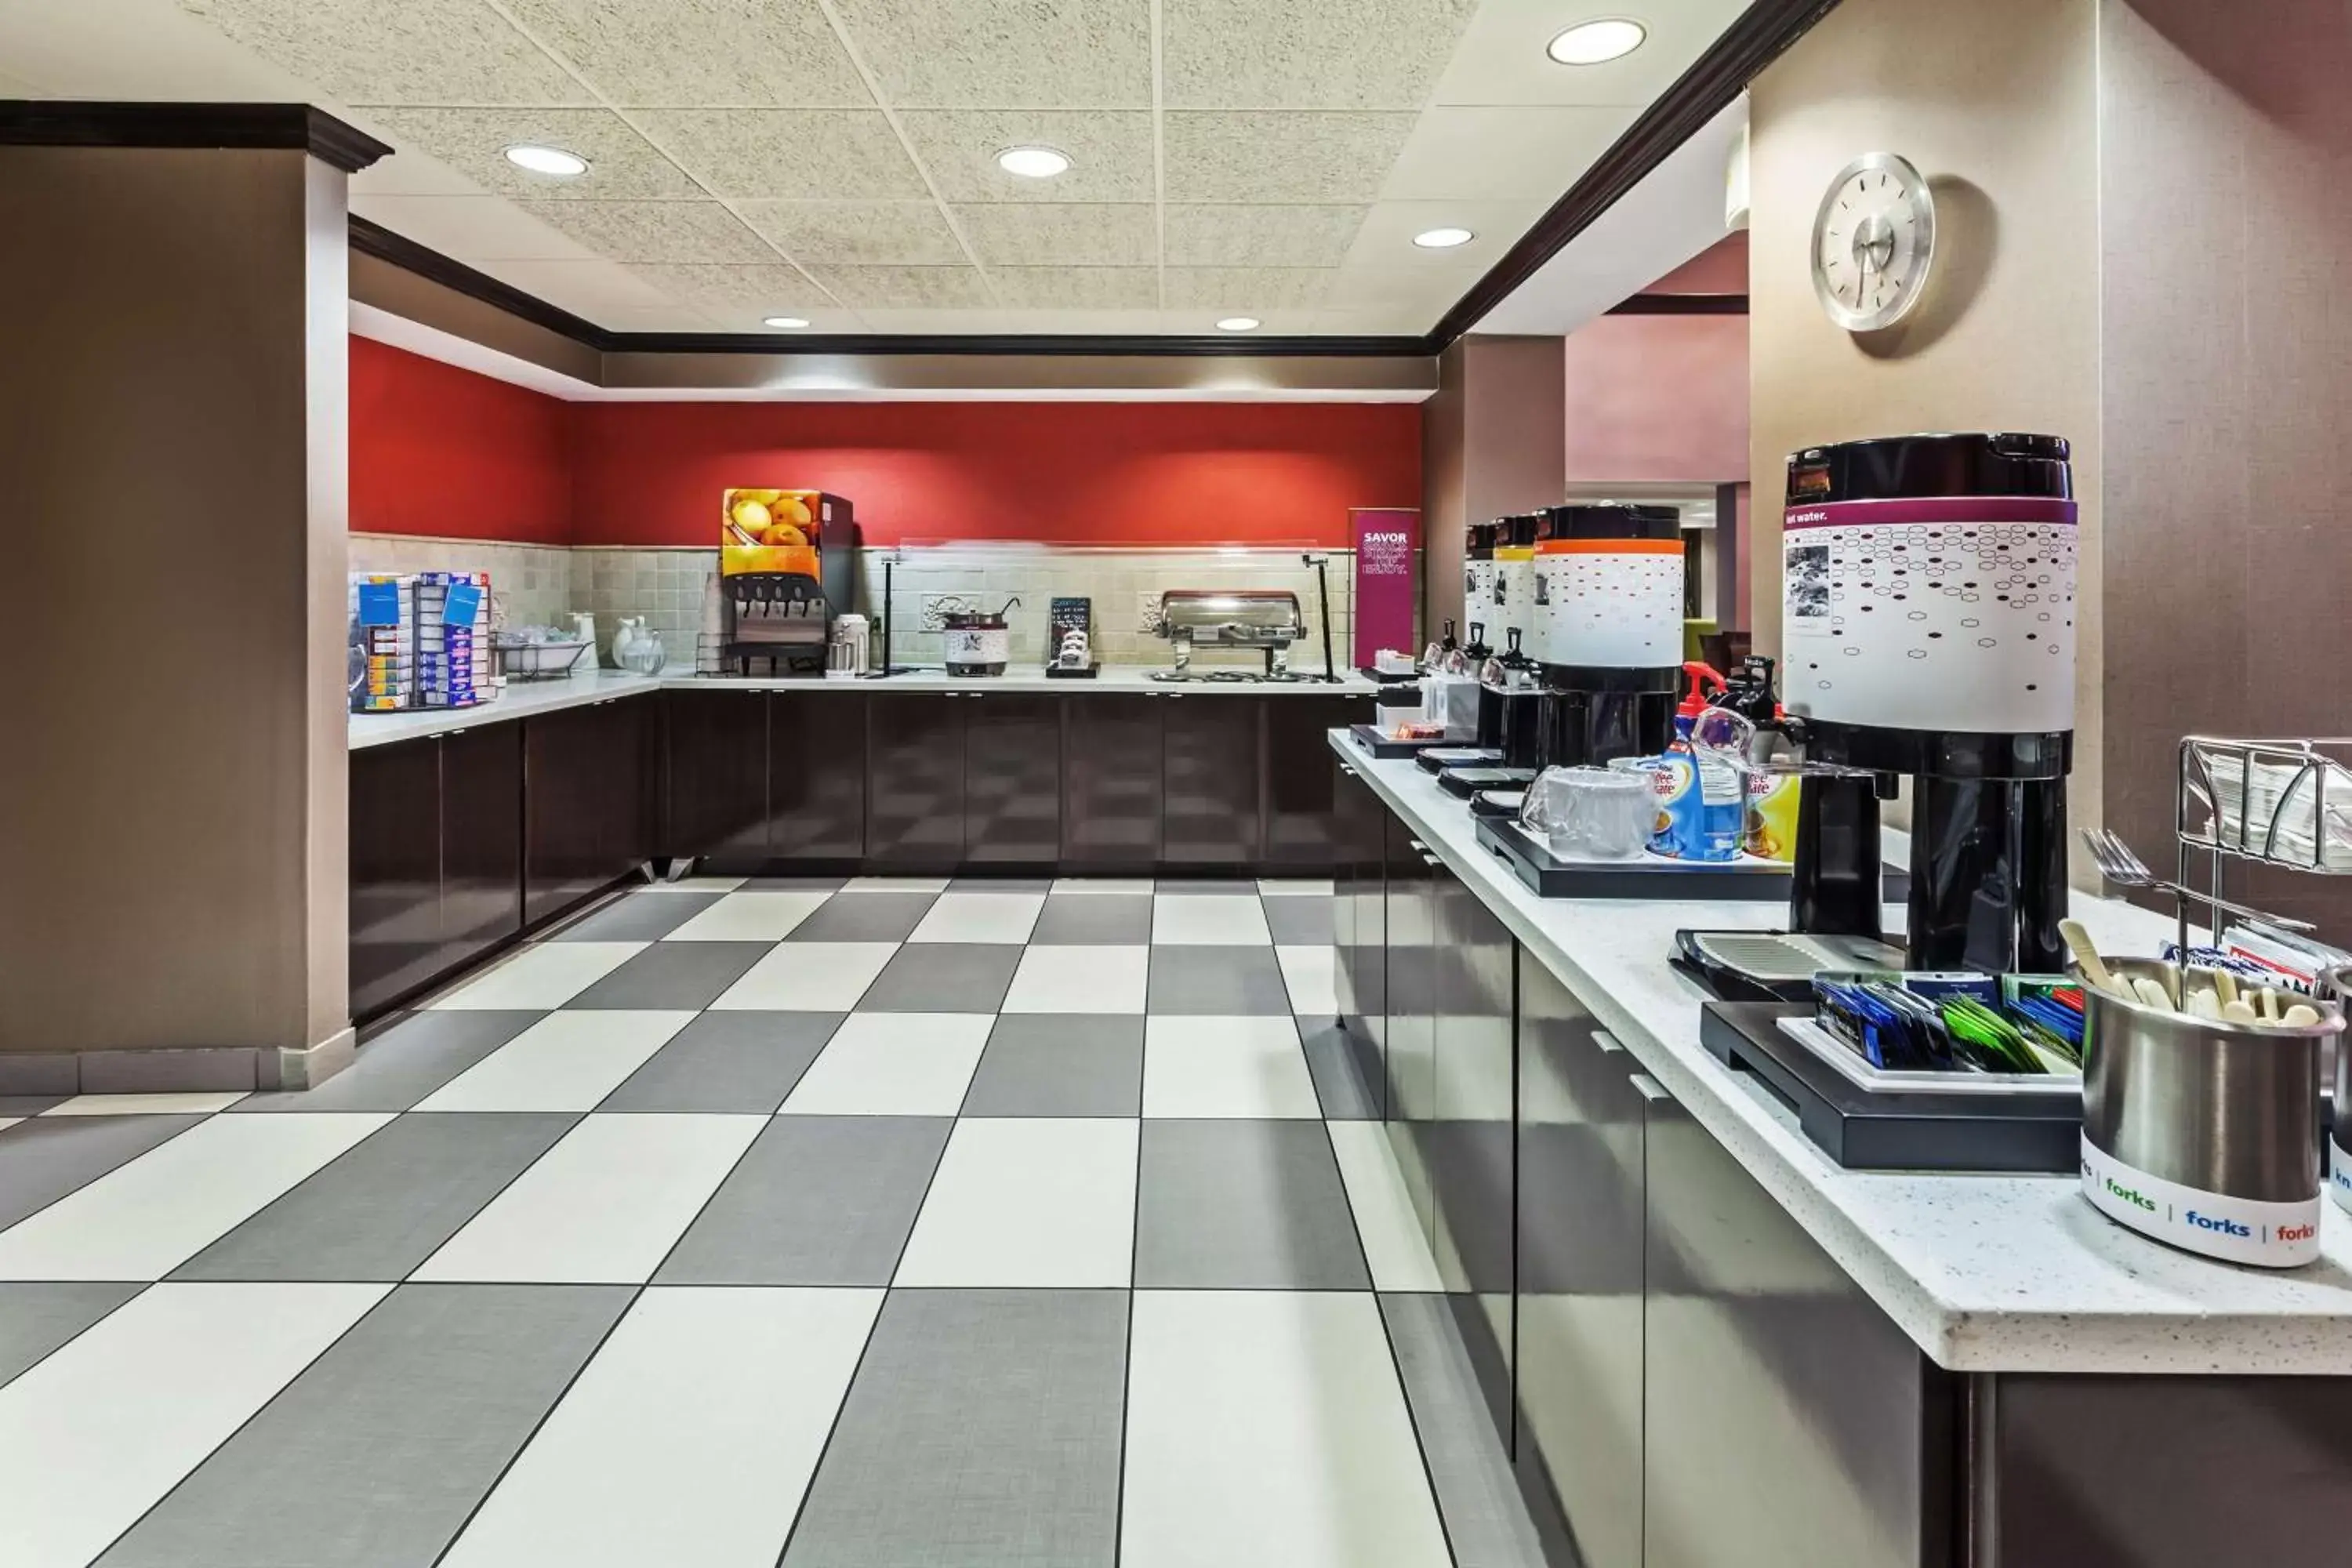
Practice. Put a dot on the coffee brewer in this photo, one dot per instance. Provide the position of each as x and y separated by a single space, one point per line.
1501 571
1607 630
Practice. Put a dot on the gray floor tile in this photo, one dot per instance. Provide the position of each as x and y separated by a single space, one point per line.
1487 1518
404 1064
865 917
983 1429
1095 920
674 974
378 1452
35 1320
1340 1061
791 884
816 1200
1220 980
1243 1205
1001 885
727 1062
1206 885
1060 1063
943 977
383 1207
43 1159
638 917
1299 920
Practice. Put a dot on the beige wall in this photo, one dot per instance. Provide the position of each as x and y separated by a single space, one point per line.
1492 441
172 429
1995 101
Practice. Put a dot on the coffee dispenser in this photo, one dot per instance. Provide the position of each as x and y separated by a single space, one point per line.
1607 630
1478 591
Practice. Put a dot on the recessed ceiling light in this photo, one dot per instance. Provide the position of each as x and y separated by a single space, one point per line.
1591 43
1443 238
540 160
1238 324
788 323
1032 163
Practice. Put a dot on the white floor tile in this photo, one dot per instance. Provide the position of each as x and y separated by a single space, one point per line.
144 1218
91 1437
1103 885
1268 1426
979 917
895 885
720 1398
604 1206
1212 1066
751 917
547 976
1311 973
1393 1243
808 977
8 1121
145 1104
1208 920
1304 887
1080 980
696 885
894 1064
1034 1203
566 1061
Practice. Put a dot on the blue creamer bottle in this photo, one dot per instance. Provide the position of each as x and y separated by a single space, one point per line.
1701 800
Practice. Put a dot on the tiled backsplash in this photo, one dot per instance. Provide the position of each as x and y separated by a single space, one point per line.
539 583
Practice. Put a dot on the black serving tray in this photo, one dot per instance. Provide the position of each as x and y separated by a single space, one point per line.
1648 877
1369 738
1490 757
1465 782
1064 672
1863 1129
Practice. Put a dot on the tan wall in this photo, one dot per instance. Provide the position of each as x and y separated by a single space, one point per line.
1494 441
172 436
1996 102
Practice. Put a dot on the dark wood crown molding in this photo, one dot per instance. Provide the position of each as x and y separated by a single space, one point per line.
1680 305
73 122
373 239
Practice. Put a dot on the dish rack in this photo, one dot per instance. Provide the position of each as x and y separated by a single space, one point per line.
2284 803
522 659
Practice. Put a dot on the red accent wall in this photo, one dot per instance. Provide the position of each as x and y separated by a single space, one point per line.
1110 473
439 450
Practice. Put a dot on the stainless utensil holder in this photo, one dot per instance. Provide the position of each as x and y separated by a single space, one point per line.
2200 1132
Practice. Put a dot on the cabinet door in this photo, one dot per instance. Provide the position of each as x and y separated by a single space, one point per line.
1473 1183
1580 1270
715 773
586 799
1359 920
627 739
1302 824
396 871
914 769
1409 1040
482 840
816 776
1011 780
1211 747
1111 783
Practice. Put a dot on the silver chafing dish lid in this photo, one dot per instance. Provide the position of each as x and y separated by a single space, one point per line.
1244 616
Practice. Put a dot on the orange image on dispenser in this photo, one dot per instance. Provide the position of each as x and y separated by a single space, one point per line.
768 530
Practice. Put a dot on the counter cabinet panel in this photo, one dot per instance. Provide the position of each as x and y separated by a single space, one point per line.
588 796
816 778
715 773
915 781
1111 782
482 841
1011 780
396 871
1212 767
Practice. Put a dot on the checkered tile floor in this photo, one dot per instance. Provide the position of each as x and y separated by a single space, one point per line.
888 1223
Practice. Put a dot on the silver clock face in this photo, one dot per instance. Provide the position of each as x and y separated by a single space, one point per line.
1874 242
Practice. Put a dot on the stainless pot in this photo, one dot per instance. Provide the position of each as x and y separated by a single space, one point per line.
979 642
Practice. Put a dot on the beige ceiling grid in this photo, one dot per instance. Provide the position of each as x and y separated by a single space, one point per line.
835 158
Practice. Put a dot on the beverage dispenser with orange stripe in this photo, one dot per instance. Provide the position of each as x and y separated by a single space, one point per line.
1606 625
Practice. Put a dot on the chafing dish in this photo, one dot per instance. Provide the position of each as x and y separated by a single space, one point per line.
1266 619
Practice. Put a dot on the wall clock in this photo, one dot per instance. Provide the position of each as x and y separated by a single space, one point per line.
1874 242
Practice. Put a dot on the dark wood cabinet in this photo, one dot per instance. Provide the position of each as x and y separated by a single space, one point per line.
1111 783
1212 751
715 753
482 840
396 871
586 801
1360 923
1012 779
816 776
1468 1141
915 781
1301 821
1409 1038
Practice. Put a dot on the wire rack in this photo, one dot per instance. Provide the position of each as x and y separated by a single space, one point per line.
2282 803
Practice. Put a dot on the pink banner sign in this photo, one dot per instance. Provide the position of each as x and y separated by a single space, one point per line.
1388 541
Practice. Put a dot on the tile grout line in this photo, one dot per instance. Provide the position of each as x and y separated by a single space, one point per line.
101 1175
1158 157
85 1327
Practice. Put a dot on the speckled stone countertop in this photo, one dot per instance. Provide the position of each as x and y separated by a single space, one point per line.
1985 1273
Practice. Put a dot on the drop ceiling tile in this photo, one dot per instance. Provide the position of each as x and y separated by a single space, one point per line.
761 289
1501 57
472 228
1109 152
906 287
656 231
1281 155
1006 53
1203 323
621 165
1076 289
416 51
1028 234
1250 54
667 319
835 155
1386 238
1230 235
591 289
857 232
1489 154
1254 291
770 53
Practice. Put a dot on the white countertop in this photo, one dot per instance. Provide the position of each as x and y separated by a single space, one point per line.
1985 1273
524 698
